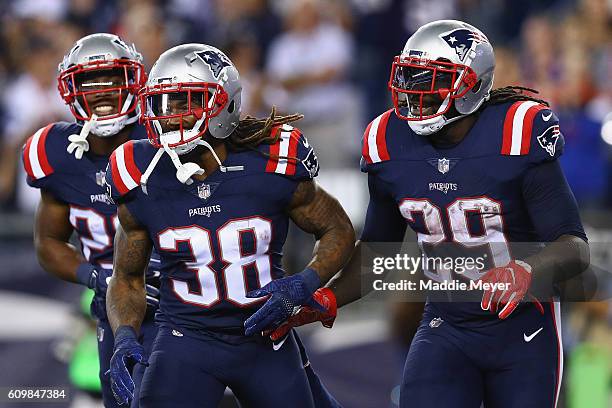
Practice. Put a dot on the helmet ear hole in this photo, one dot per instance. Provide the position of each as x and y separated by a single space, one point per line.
476 87
231 107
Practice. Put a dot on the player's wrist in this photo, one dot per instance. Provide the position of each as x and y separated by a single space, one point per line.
125 333
311 280
86 275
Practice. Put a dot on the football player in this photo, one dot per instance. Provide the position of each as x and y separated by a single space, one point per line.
475 169
99 79
213 194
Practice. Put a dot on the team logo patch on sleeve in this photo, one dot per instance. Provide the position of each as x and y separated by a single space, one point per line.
548 139
311 163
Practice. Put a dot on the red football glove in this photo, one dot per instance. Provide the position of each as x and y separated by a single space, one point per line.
320 308
517 277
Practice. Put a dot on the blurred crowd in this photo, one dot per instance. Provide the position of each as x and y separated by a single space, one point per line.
330 60
326 59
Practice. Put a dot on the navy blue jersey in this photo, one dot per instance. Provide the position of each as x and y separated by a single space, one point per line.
79 184
218 238
500 185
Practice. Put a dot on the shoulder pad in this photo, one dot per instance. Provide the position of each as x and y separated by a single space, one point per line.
374 142
532 129
35 158
124 167
44 153
292 155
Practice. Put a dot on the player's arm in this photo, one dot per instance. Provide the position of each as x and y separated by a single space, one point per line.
383 223
314 211
55 253
554 213
125 299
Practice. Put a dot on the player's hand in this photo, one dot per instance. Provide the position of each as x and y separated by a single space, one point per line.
98 280
516 276
284 296
320 308
127 353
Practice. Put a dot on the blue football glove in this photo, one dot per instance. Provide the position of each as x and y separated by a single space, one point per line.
127 352
285 296
97 279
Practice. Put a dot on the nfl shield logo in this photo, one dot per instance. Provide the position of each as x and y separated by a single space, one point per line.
101 178
204 191
443 165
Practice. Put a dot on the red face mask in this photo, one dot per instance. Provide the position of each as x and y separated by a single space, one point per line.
422 89
108 84
178 107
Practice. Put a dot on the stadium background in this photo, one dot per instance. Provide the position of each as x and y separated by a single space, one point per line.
329 60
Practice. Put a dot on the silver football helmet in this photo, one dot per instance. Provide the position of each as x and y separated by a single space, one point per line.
190 83
99 80
445 64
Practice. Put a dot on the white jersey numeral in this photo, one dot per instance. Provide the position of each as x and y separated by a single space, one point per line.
98 236
231 251
489 212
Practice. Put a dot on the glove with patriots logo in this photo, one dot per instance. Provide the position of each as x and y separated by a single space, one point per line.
285 295
321 308
516 276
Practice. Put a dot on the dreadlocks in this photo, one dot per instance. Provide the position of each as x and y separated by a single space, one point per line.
512 94
251 132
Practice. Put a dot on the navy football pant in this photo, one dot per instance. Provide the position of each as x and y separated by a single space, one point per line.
193 372
106 341
512 364
321 396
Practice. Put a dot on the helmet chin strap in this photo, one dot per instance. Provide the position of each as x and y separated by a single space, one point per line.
78 143
184 171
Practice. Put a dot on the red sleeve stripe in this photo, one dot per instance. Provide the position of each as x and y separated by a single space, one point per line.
518 126
36 162
125 172
376 138
285 147
365 150
528 127
273 160
121 188
294 139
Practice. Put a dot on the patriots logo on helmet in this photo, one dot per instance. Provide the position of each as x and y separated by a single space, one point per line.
548 139
215 61
462 40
